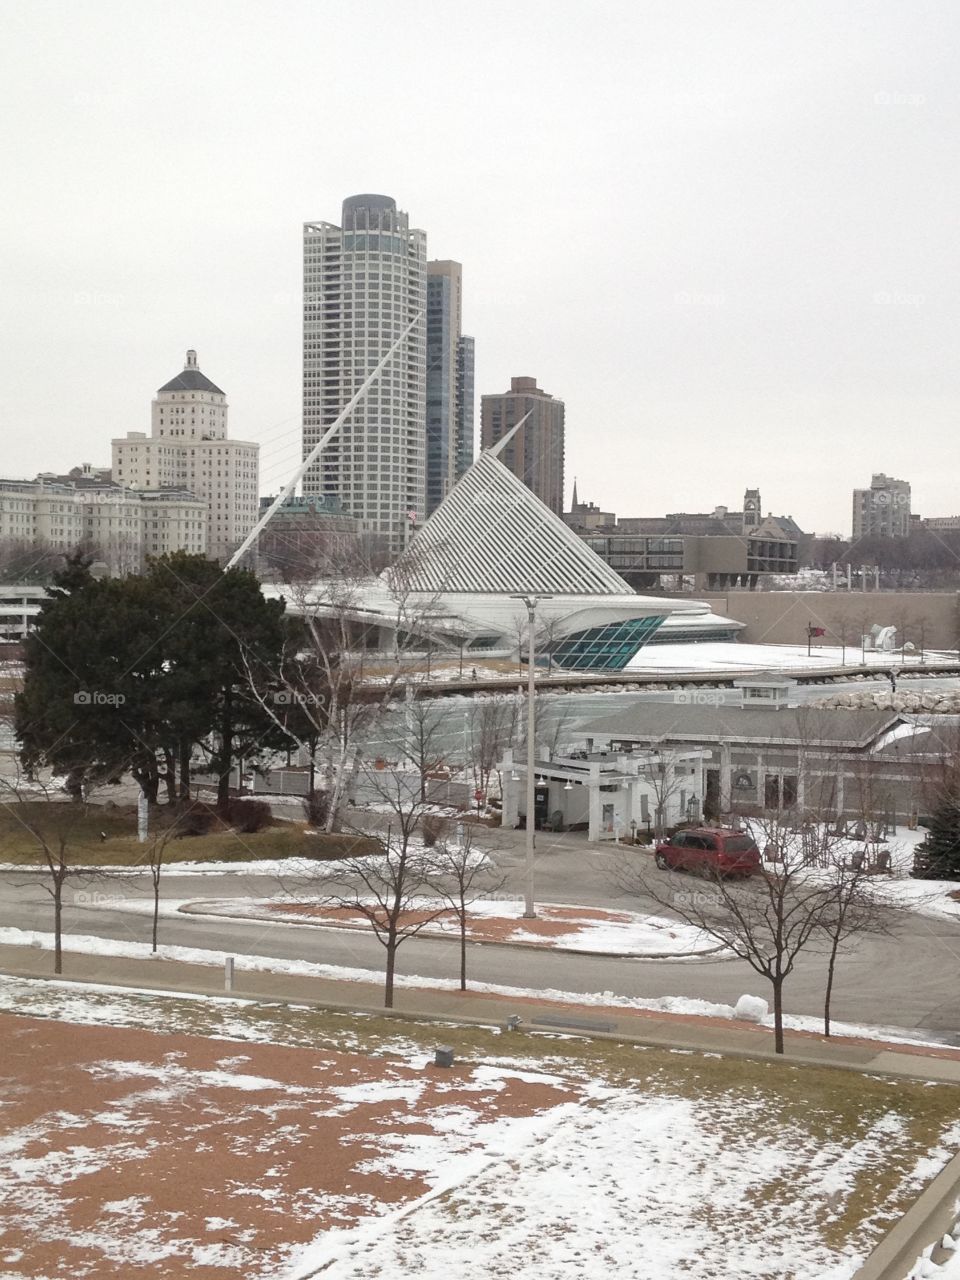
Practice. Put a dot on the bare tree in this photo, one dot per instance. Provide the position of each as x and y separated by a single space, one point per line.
549 632
392 890
492 728
423 723
322 697
458 870
417 613
661 773
155 854
851 908
922 624
521 629
768 922
842 628
551 729
55 828
317 696
25 560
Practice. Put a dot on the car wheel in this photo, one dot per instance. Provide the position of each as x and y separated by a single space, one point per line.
661 861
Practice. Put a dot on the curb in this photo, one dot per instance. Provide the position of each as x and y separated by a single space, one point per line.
191 909
931 1215
668 1032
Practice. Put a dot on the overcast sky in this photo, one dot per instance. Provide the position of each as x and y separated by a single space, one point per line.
725 233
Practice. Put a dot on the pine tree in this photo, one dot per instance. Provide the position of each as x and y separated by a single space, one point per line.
221 636
938 856
128 675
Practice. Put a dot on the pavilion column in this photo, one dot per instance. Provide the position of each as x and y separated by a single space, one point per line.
726 797
593 830
510 813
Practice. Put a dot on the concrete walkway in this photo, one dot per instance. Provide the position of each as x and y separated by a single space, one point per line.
710 1035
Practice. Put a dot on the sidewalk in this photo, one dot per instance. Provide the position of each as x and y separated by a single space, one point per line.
674 1031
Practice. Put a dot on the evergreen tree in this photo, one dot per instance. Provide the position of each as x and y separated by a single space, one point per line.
74 575
938 856
91 705
130 674
221 640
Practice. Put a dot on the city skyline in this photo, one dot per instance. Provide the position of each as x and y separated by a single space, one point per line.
784 179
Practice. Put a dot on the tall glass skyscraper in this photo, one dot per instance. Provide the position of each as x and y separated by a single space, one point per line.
449 383
363 282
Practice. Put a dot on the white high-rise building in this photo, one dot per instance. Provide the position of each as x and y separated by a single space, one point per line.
188 449
363 283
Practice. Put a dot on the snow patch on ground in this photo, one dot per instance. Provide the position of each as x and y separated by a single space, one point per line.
722 655
314 869
606 1177
622 1184
681 1005
567 927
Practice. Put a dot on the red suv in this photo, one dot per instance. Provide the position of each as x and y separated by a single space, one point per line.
710 851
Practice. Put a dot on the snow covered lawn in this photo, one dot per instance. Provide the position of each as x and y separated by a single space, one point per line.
564 928
927 897
127 1152
730 655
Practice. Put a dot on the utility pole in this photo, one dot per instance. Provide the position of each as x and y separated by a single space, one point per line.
531 602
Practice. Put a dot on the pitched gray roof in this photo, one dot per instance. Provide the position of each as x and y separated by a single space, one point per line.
191 380
689 722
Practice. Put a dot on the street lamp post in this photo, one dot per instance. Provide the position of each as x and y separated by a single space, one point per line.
531 602
529 910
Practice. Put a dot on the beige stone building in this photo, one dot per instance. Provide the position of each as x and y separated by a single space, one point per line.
883 510
37 511
535 453
188 449
120 527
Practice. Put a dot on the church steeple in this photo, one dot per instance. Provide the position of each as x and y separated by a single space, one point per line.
573 500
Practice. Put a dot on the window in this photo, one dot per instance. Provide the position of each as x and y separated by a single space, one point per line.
739 844
605 648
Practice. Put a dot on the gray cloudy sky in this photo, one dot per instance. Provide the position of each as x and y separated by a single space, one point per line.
723 231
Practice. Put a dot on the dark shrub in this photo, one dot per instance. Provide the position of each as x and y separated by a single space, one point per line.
433 829
330 847
316 808
248 816
197 820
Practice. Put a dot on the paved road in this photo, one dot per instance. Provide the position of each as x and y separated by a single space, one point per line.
910 981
